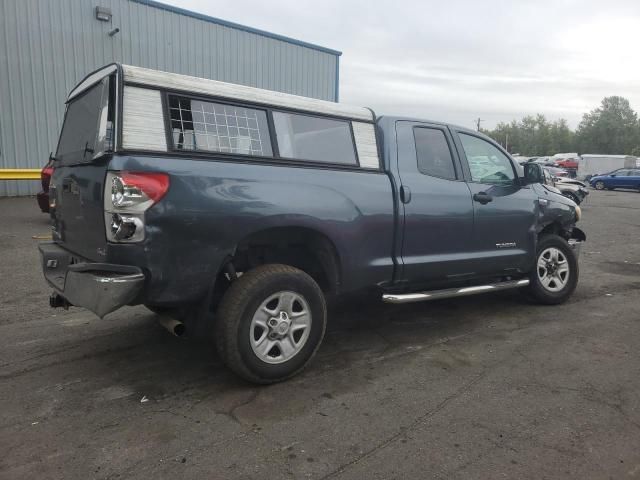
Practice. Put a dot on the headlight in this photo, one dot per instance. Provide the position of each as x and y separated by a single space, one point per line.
578 213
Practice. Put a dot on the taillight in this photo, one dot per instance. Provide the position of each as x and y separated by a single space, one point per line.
127 195
45 177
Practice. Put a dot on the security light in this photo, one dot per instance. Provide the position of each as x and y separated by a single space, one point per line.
103 14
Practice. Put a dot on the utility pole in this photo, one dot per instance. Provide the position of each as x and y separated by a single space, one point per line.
506 147
478 121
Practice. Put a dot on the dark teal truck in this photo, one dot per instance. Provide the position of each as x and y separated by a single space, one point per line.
238 211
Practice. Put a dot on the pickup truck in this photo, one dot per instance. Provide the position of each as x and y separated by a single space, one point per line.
240 211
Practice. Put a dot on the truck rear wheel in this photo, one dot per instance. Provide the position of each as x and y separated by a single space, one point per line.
555 274
270 323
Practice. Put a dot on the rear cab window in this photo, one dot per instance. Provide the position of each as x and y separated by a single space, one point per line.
88 128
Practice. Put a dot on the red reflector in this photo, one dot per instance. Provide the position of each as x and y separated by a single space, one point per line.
46 172
154 185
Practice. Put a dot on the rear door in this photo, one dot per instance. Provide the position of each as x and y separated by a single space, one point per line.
623 179
634 178
80 168
504 211
435 204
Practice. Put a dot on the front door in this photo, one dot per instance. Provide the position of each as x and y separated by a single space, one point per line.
621 179
435 203
504 211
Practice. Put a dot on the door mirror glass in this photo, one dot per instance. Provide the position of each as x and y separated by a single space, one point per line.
533 173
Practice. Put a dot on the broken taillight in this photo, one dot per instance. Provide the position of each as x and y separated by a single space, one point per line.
127 196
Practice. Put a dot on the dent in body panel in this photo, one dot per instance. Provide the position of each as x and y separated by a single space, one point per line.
212 205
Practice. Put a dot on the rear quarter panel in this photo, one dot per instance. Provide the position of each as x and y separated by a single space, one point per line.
211 205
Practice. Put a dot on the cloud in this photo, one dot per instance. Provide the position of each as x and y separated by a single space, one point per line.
463 59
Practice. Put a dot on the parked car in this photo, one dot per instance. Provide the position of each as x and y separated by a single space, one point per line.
241 209
577 193
557 172
45 177
567 163
545 161
570 181
621 178
566 160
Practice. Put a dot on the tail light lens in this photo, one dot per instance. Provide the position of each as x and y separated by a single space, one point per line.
127 196
45 178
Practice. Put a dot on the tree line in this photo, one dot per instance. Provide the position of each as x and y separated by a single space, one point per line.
612 128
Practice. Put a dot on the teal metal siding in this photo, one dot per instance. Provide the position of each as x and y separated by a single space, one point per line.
46 47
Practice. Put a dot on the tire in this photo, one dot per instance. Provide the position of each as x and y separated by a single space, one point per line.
599 185
241 341
555 291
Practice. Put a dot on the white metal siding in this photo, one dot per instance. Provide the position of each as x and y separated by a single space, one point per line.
48 46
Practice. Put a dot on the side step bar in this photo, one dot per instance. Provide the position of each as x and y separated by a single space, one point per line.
452 292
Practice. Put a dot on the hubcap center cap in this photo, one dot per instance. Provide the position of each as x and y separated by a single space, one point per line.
279 326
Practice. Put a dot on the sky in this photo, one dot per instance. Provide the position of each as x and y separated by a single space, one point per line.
459 60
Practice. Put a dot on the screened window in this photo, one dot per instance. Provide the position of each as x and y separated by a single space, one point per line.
314 138
432 151
486 162
216 127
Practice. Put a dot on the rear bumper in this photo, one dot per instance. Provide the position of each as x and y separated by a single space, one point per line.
99 287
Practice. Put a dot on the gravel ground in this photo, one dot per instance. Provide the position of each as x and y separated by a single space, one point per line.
479 387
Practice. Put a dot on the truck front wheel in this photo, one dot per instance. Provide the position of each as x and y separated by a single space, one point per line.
555 274
270 323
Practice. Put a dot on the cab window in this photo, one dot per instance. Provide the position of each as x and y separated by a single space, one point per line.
486 162
433 154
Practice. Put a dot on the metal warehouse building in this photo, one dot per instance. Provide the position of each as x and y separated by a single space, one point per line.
47 46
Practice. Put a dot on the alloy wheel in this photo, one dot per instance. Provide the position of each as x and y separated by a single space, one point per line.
553 269
280 327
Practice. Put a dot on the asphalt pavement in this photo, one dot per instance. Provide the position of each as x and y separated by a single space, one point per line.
479 387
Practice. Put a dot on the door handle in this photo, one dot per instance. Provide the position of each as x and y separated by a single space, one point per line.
483 198
405 194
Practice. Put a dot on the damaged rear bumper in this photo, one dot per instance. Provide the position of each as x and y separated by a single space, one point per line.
99 287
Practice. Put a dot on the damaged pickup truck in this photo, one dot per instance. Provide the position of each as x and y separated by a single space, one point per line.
240 210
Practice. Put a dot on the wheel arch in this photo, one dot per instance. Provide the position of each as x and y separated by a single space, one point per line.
302 247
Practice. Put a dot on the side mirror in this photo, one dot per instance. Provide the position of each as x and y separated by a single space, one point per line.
533 174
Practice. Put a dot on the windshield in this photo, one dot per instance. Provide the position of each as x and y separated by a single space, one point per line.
88 126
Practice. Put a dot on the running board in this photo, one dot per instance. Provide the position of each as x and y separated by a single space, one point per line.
452 292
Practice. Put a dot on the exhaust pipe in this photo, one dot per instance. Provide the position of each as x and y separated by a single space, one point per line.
173 326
